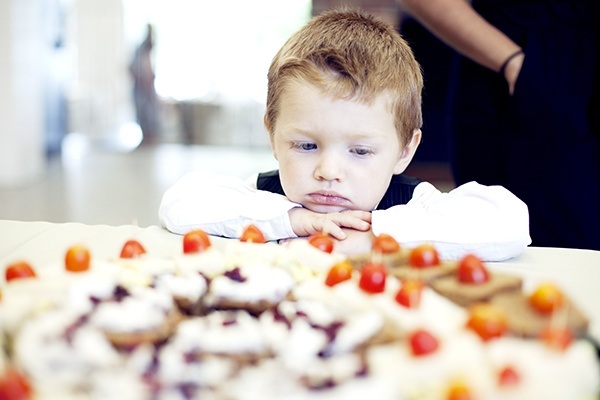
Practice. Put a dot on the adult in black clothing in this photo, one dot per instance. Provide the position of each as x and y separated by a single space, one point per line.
526 106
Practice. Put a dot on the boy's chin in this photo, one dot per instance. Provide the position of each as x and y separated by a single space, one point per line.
324 209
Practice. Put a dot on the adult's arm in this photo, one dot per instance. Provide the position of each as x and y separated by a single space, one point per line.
457 24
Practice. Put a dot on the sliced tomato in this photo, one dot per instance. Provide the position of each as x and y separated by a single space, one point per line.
487 321
14 386
547 298
409 295
508 376
339 272
385 244
472 271
372 277
321 241
132 249
459 390
19 270
422 343
195 241
77 258
557 338
424 256
252 234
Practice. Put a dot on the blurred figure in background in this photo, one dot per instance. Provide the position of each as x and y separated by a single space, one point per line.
146 101
526 106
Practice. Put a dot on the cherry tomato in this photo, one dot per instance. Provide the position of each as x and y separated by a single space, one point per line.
557 338
409 294
13 385
458 391
508 376
132 249
321 241
77 258
422 343
195 241
252 235
471 270
385 244
487 321
372 277
423 256
19 270
339 272
546 298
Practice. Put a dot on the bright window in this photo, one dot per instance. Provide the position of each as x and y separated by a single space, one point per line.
214 50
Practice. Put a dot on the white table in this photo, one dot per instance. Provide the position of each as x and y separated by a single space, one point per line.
576 271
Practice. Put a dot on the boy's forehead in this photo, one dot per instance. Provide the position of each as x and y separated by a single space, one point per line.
326 89
307 108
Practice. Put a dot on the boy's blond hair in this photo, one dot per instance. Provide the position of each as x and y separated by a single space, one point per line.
350 55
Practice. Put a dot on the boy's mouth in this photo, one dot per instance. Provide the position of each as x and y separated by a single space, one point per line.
328 198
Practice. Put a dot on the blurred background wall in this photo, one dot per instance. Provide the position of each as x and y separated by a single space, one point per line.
64 73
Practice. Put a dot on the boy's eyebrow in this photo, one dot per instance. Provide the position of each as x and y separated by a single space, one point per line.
355 134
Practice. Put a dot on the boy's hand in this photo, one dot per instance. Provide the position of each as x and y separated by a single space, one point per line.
356 242
305 222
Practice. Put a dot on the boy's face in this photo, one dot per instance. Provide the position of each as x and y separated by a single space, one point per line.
336 155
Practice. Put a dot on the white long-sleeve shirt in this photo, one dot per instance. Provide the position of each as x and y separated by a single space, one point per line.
486 220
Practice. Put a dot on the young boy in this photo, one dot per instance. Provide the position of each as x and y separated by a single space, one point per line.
344 116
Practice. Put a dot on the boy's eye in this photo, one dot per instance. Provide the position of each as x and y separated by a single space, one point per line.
306 146
362 151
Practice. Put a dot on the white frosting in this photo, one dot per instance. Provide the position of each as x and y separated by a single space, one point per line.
270 381
546 373
145 309
211 262
188 285
208 372
459 357
301 254
245 252
222 332
46 354
263 282
434 313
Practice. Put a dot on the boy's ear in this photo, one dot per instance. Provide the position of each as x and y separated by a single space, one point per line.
268 129
408 152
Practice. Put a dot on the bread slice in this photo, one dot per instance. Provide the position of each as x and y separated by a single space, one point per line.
391 260
128 340
524 320
465 294
425 274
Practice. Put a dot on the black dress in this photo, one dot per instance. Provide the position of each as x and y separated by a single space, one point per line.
542 143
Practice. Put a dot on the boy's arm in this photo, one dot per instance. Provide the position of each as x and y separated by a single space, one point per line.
223 206
487 220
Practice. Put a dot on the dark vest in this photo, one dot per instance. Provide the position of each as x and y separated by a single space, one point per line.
400 190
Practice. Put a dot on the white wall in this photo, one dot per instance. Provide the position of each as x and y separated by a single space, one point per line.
99 99
93 64
22 58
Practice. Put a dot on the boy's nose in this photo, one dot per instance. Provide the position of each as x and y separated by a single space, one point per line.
329 168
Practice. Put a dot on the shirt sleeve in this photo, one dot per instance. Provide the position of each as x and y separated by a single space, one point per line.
488 221
224 206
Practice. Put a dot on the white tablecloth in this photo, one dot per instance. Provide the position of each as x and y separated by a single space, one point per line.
576 271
